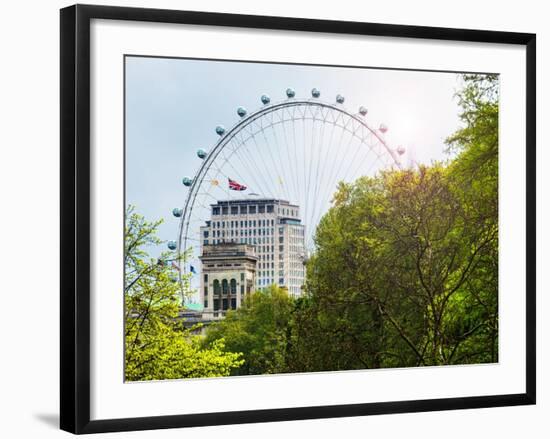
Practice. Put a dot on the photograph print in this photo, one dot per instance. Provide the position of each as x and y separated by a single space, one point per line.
295 218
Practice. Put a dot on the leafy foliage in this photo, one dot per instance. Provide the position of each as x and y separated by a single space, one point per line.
157 345
258 329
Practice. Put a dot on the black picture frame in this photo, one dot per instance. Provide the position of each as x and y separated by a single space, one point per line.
75 217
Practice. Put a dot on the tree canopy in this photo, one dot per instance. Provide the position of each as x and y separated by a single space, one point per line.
258 329
157 345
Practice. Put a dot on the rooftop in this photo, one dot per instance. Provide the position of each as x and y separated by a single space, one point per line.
253 201
226 249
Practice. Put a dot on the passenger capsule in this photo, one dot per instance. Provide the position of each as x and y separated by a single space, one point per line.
187 181
265 99
241 111
201 153
363 111
400 150
383 128
177 212
172 245
315 93
340 99
220 130
290 92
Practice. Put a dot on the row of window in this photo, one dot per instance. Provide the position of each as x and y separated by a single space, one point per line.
297 231
238 232
287 211
242 210
225 303
267 265
251 241
242 223
223 265
252 210
219 265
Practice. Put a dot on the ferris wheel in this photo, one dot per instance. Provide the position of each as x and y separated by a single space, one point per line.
297 149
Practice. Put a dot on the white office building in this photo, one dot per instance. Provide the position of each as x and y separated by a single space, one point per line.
275 230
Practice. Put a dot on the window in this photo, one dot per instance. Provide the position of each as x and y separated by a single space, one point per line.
205 233
206 278
242 277
216 304
242 289
270 210
206 303
205 242
216 211
233 286
251 209
281 248
261 209
224 304
217 289
234 210
225 286
281 239
233 303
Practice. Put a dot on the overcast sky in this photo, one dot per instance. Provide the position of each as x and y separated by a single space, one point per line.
173 106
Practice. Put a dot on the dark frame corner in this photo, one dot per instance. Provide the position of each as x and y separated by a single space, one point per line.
75 214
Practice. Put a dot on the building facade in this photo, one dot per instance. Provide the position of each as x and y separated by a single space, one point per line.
228 275
273 227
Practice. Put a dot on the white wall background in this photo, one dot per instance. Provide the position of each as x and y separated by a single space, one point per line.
29 206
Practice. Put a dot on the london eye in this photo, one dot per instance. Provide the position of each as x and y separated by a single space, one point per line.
296 149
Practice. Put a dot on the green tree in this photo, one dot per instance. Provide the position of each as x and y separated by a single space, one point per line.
475 175
406 264
157 345
258 330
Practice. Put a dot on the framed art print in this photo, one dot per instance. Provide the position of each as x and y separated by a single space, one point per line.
290 219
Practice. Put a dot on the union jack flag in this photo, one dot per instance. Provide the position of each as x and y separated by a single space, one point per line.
234 186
